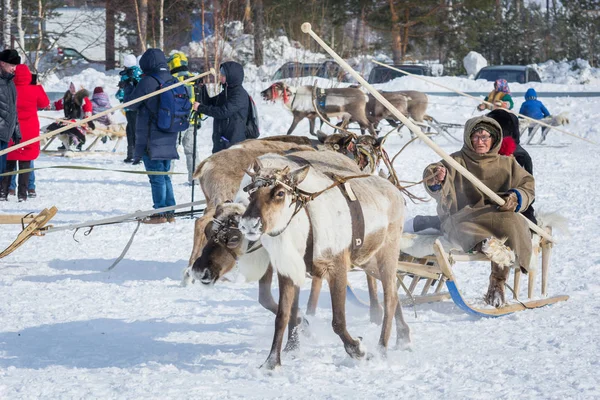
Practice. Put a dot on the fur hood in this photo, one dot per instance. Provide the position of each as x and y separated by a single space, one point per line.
77 98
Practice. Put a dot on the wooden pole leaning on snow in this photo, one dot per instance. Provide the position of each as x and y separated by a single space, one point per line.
103 113
537 121
306 28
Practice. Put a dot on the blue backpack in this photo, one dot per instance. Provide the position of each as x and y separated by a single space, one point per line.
174 107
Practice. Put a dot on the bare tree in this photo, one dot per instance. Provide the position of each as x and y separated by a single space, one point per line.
20 24
110 35
141 14
161 25
6 19
259 32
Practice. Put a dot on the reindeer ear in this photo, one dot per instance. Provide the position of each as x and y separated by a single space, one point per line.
298 175
322 136
257 166
208 231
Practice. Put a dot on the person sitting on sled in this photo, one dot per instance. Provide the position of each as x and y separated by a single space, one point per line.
76 104
500 97
469 218
533 108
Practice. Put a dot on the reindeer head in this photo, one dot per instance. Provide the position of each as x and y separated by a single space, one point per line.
224 245
272 198
278 90
365 149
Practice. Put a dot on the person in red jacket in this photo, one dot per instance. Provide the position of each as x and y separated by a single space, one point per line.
30 98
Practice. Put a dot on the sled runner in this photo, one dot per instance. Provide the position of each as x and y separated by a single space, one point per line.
426 274
35 226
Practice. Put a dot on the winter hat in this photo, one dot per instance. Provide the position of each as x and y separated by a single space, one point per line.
129 61
10 56
530 94
502 86
177 60
98 89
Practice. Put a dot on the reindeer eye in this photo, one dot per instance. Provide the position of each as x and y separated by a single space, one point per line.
280 193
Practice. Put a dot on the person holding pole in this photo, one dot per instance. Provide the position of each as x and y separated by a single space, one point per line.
155 147
9 123
469 218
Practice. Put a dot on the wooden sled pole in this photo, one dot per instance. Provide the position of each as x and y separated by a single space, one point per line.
306 28
537 121
103 113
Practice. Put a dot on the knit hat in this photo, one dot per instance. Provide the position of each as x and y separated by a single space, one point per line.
501 85
98 89
129 61
10 56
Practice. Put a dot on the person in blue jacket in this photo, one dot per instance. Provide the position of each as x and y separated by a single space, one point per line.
130 75
153 146
533 108
229 108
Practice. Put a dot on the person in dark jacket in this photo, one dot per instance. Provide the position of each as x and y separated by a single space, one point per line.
9 123
131 74
153 146
229 108
510 127
533 108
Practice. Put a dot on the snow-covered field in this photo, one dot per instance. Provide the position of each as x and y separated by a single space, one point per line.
69 330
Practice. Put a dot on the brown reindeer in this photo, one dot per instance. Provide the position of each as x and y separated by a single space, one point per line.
347 103
410 103
306 223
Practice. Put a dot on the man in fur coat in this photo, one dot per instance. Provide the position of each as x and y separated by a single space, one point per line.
473 221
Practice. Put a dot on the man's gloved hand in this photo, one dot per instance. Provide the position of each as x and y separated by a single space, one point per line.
510 203
136 161
123 84
16 140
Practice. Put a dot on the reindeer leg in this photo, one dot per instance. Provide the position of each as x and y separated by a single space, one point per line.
265 298
311 123
199 243
293 342
286 300
403 339
313 299
387 272
297 118
338 280
375 311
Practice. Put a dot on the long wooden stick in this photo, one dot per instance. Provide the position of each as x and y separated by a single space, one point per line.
306 28
103 113
537 121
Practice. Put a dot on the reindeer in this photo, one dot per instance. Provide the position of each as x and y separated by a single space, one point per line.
348 103
220 176
410 103
317 234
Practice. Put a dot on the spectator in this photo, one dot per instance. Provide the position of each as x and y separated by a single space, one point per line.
178 67
500 97
229 108
100 103
533 108
9 123
30 98
153 146
131 74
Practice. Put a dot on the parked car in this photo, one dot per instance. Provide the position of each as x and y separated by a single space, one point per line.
332 70
294 69
381 74
69 54
512 73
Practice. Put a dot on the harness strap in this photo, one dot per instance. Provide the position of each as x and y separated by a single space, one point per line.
358 218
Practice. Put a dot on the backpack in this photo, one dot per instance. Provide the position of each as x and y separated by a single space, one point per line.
174 107
252 131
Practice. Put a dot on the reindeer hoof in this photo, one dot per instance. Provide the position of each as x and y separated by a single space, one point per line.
495 294
271 363
356 350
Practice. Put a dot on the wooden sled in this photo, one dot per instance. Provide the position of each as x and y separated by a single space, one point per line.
34 227
431 272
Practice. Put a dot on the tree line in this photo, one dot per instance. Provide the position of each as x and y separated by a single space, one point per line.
503 31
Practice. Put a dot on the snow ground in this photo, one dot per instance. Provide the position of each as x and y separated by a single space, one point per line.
72 331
